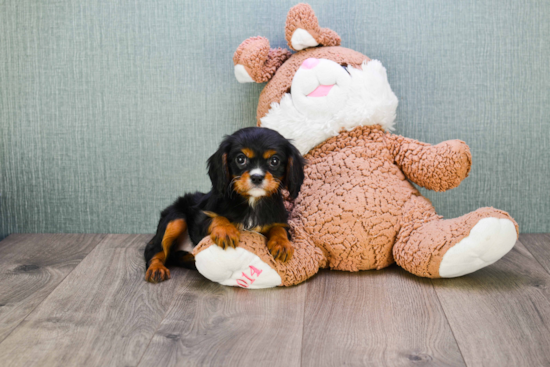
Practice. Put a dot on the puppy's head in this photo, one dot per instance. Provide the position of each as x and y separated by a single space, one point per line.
256 162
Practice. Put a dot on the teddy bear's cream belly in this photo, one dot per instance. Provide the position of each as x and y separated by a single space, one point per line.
351 207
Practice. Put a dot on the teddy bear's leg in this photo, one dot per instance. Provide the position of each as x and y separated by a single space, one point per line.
432 247
245 266
250 265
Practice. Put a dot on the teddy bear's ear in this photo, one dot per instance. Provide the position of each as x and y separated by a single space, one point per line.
255 62
302 30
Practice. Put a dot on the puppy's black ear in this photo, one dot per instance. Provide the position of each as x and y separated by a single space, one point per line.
218 167
294 176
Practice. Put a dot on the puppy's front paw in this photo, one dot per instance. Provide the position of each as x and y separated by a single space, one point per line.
280 248
225 236
157 273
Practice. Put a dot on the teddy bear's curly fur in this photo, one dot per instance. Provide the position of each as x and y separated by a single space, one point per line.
357 209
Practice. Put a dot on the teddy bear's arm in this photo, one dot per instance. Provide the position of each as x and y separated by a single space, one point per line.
438 167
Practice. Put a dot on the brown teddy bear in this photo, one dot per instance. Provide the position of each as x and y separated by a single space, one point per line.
357 209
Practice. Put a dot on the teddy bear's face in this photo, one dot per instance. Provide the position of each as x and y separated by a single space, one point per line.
319 88
319 91
326 98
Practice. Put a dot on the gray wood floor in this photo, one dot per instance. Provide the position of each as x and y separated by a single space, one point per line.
80 300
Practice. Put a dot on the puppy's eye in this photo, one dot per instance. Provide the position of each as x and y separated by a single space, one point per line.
241 160
274 162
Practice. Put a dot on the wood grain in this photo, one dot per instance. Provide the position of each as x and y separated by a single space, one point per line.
538 245
31 266
213 325
60 310
500 315
102 314
375 318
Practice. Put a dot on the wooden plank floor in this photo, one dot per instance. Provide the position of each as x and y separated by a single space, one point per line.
80 300
31 267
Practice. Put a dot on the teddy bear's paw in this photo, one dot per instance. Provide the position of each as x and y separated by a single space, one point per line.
236 267
489 240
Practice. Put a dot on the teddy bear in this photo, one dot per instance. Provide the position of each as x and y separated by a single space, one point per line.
357 209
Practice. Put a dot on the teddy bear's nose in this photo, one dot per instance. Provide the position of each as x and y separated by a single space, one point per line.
310 63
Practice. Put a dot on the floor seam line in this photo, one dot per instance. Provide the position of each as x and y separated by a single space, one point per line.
158 326
534 257
303 324
541 265
448 323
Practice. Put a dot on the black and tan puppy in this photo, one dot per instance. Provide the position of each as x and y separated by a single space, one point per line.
248 172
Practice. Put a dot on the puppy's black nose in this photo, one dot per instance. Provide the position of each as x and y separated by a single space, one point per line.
257 179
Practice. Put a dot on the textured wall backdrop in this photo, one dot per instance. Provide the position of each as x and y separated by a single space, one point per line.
109 108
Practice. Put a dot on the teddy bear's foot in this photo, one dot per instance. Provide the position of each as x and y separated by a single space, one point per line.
432 247
489 240
251 266
236 267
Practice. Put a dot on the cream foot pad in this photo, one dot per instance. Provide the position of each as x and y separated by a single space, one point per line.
489 240
236 267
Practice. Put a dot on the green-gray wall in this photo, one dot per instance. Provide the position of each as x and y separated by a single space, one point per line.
109 109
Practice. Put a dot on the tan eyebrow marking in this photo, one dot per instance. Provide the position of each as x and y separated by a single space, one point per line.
269 153
248 152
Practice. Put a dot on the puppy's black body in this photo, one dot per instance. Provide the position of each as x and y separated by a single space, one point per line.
247 172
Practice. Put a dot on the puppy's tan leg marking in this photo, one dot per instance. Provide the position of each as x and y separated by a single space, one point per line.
173 230
223 233
278 244
157 272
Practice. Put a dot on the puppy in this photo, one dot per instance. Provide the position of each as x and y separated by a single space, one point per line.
247 172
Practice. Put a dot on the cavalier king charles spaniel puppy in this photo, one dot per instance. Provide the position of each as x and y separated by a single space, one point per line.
248 172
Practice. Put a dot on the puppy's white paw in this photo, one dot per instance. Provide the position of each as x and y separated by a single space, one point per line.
236 267
488 241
